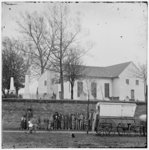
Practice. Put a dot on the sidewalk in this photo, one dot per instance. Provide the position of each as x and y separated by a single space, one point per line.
52 131
65 132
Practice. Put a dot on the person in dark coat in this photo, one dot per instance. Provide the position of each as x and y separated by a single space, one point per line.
66 122
81 121
69 121
79 127
77 121
73 121
25 123
30 113
55 118
62 122
59 121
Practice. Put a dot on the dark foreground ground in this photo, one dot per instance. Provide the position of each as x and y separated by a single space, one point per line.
65 140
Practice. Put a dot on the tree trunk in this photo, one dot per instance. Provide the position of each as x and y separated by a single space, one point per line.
62 83
145 91
4 94
17 90
72 84
42 69
61 58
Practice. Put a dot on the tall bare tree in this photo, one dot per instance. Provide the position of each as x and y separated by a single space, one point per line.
50 38
66 32
141 73
39 38
73 68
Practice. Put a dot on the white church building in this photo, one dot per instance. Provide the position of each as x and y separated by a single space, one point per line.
116 82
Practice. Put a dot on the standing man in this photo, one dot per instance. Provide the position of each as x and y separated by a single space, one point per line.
81 121
96 117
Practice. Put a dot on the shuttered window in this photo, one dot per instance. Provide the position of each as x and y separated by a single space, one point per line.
94 89
80 88
137 82
45 83
127 81
106 89
132 94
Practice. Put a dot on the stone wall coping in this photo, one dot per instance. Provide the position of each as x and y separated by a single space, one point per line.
64 101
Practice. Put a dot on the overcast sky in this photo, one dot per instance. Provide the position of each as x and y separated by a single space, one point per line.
118 31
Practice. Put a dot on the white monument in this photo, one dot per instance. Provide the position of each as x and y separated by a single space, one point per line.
12 88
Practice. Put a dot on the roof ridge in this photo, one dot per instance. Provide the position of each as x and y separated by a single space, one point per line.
120 64
107 66
92 66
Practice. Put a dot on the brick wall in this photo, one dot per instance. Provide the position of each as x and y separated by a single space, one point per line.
14 109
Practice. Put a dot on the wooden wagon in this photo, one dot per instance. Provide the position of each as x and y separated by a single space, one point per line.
116 118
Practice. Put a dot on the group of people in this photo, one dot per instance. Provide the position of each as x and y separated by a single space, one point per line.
77 121
58 121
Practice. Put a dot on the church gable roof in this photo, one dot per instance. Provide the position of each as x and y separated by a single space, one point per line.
105 72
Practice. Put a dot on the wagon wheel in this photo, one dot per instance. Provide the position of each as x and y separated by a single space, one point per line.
113 130
135 129
107 130
100 130
143 130
127 129
104 129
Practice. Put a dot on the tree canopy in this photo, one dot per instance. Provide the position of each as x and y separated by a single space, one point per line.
13 65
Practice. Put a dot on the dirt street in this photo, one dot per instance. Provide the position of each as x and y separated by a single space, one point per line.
65 140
